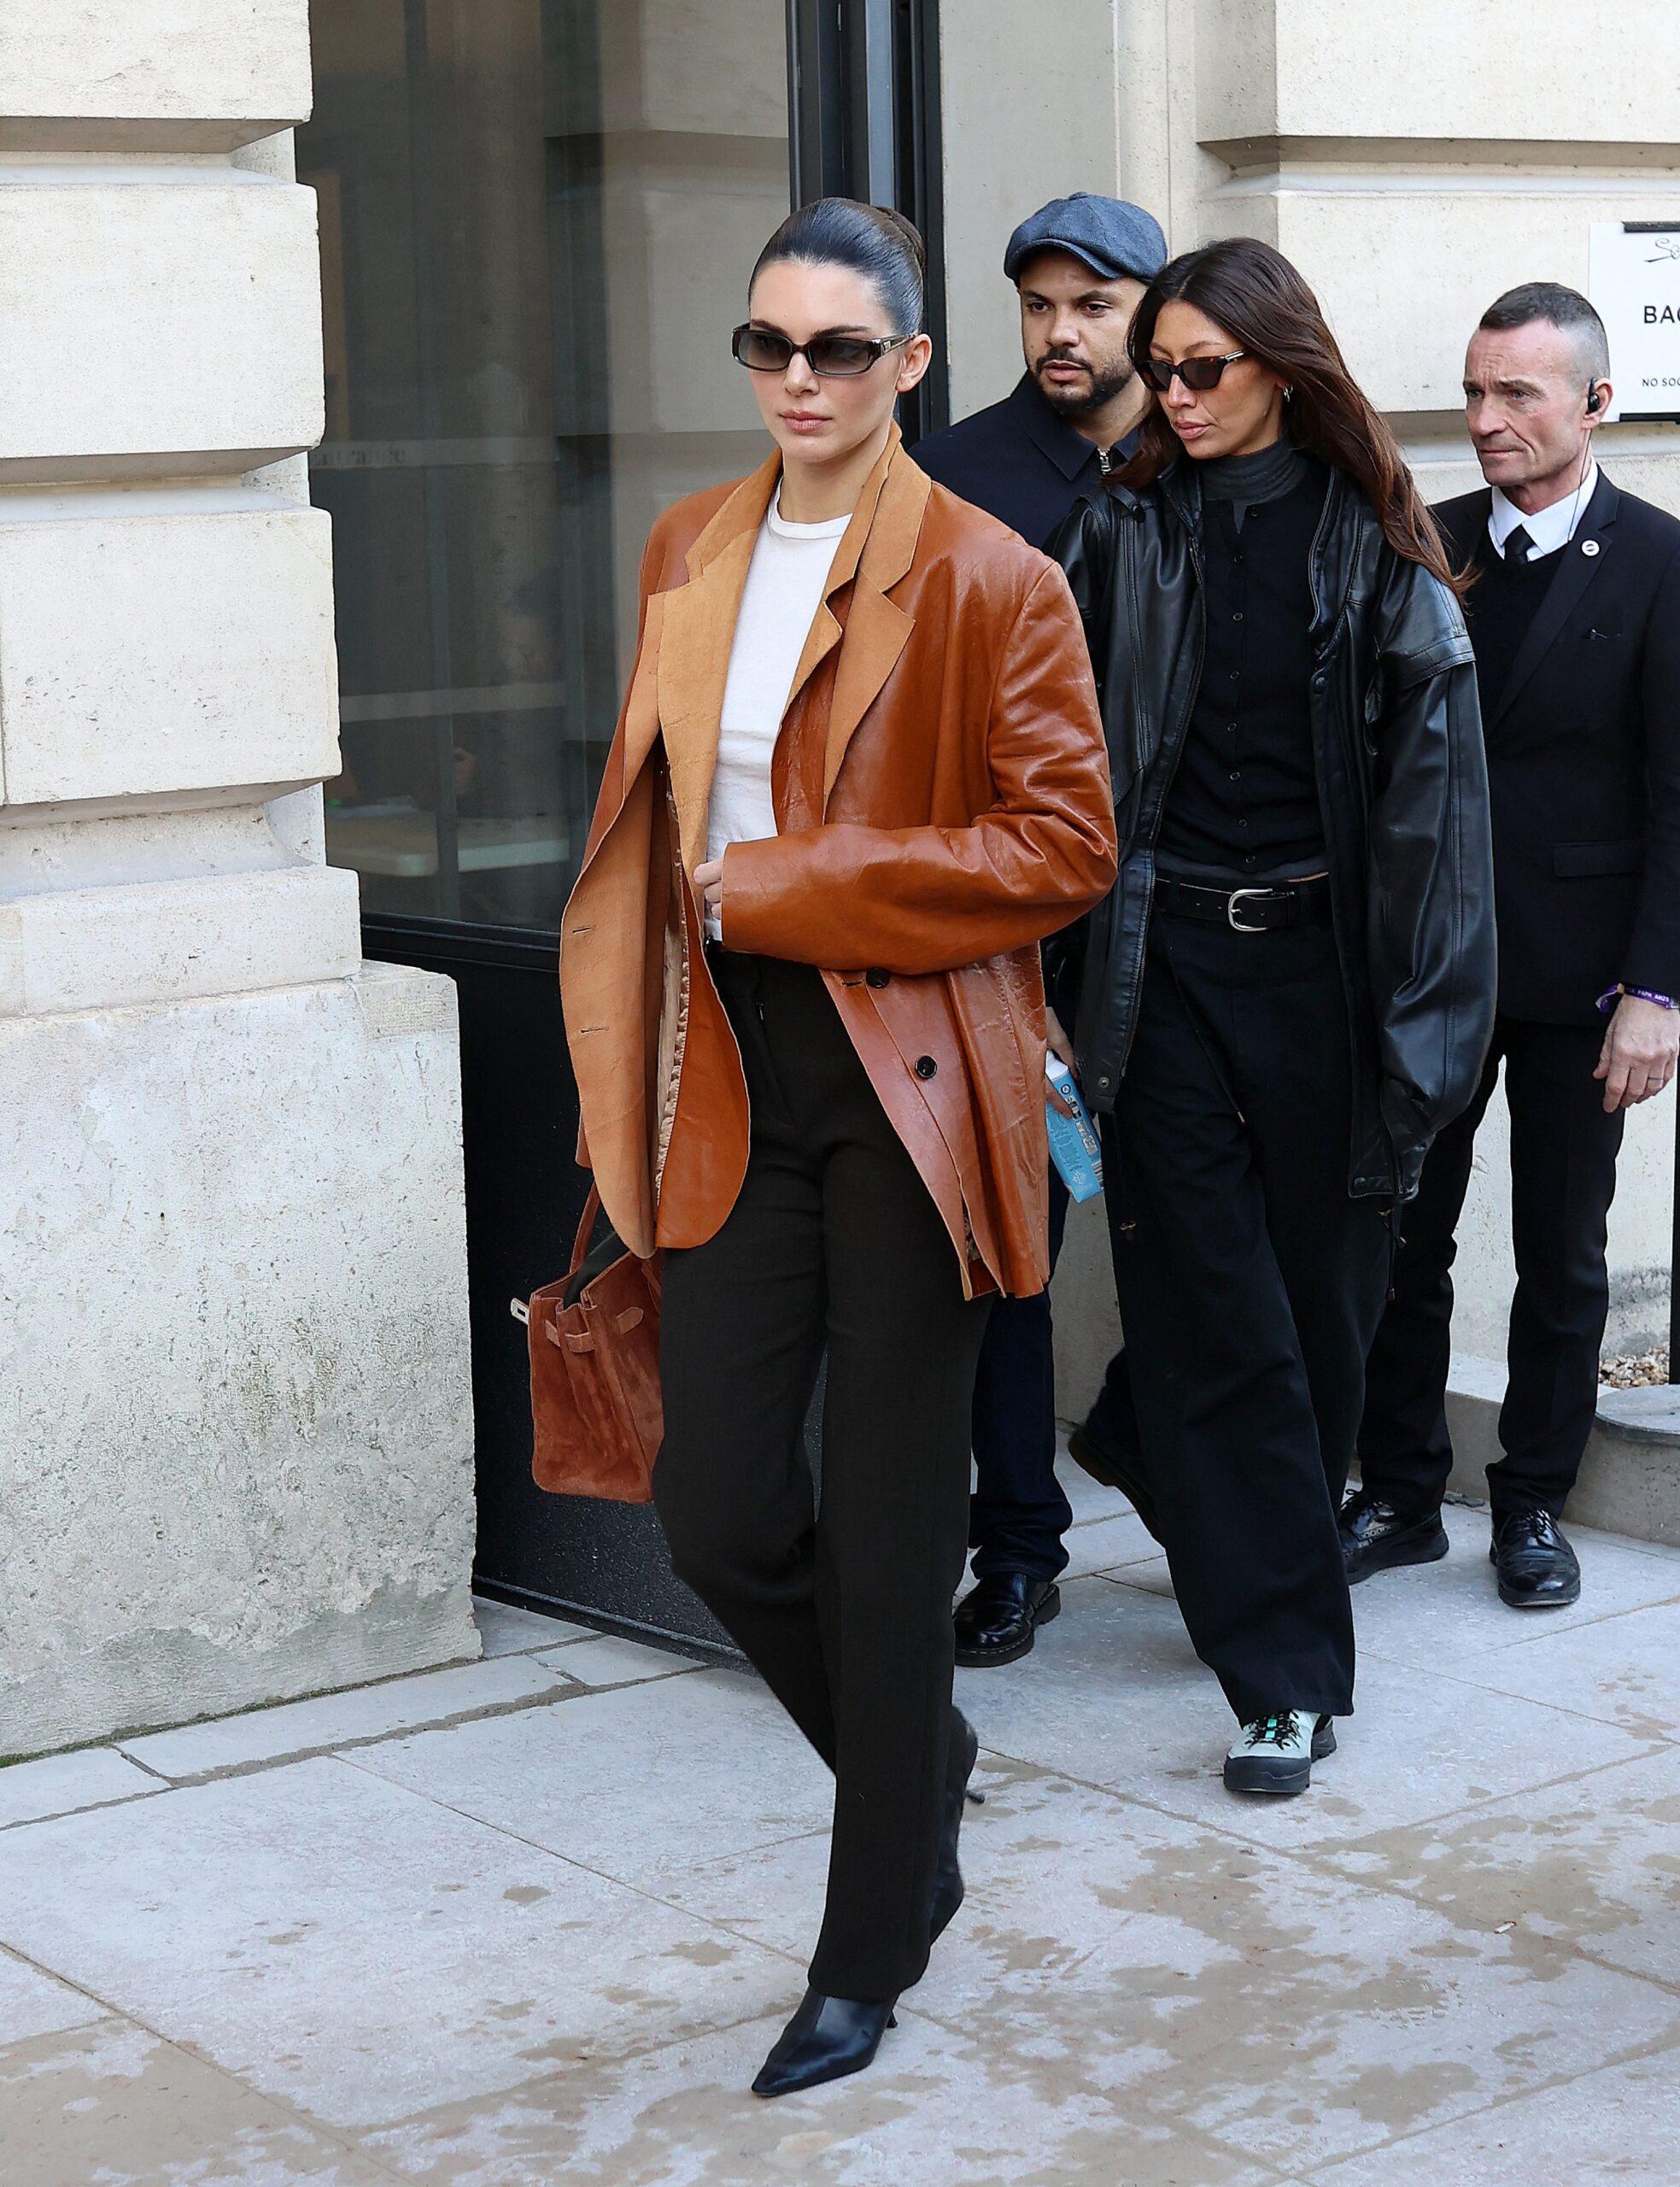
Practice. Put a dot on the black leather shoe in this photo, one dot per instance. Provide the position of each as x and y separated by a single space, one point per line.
948 1882
1375 1537
1537 1569
826 2039
1115 1469
997 1617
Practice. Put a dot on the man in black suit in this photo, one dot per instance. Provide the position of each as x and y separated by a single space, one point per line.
1080 265
1575 618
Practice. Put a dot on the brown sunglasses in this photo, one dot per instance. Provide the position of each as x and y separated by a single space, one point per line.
1197 373
830 356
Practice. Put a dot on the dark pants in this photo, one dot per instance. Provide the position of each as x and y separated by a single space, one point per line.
1019 1513
844 1609
1563 1175
1112 1420
1251 1285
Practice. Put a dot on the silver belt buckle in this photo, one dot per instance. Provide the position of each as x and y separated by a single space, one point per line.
1231 919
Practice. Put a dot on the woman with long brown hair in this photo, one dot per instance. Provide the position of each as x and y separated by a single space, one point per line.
1290 989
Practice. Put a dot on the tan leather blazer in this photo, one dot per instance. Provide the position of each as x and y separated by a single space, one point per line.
941 790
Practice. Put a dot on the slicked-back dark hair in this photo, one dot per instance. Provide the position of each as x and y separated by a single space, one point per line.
872 240
1253 294
1565 309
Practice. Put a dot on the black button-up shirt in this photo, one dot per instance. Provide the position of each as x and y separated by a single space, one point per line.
1019 461
1244 799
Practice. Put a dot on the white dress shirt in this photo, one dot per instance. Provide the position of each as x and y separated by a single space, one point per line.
1550 528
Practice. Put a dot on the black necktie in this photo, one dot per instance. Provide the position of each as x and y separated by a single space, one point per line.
1517 545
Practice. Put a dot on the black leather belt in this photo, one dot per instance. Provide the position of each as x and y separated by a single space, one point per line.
1266 910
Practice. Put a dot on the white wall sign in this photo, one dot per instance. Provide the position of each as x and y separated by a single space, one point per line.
1635 280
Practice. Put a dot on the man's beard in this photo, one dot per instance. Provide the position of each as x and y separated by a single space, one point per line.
1089 395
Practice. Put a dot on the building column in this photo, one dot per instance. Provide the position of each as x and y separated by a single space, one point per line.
235 1417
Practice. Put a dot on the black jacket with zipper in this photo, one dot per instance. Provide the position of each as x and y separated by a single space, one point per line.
1403 784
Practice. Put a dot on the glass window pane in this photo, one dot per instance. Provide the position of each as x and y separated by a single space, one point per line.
537 217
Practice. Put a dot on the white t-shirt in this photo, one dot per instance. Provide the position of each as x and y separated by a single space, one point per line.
784 588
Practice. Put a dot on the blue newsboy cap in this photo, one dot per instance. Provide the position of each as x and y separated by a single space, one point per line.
1114 238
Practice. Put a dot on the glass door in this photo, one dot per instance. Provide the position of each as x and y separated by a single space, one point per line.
525 206
537 220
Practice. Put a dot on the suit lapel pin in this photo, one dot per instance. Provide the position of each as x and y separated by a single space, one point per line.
1590 546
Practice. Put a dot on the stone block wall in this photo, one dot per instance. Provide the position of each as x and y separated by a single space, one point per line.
235 1424
176 76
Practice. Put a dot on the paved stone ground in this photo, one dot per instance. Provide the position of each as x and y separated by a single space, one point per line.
537 1920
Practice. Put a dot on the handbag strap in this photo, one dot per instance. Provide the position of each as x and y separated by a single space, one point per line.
585 1230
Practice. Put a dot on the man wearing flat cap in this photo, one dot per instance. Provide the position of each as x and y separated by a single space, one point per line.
1079 266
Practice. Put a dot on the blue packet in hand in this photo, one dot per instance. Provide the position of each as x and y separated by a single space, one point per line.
1075 1146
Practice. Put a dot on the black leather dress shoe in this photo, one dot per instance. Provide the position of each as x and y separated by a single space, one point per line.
1123 1470
1375 1537
826 2039
997 1617
1537 1569
948 1881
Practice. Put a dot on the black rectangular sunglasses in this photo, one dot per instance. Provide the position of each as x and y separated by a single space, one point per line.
830 356
1197 373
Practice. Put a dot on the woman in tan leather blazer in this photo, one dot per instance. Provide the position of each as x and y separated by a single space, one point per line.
858 774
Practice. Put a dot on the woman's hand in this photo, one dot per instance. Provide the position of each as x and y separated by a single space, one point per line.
1062 1049
708 881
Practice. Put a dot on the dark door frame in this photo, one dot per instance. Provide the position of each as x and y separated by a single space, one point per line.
864 121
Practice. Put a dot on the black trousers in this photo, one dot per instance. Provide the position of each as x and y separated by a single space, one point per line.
844 1607
1112 1420
1251 1285
1020 1513
1563 1177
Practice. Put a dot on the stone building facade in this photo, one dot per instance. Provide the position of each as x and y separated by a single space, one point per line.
235 1428
236 1407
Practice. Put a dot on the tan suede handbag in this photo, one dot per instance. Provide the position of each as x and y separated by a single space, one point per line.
596 1413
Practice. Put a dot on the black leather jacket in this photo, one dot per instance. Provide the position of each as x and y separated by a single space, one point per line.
1402 784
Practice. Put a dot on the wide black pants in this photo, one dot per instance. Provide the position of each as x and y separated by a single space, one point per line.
1563 1175
844 1607
1249 1287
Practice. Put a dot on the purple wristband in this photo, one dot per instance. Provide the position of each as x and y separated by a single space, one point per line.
1612 996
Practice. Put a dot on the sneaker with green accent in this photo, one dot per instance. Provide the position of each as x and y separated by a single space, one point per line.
1276 1753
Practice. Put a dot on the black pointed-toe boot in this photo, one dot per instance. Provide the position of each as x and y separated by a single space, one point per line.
948 1882
826 2039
